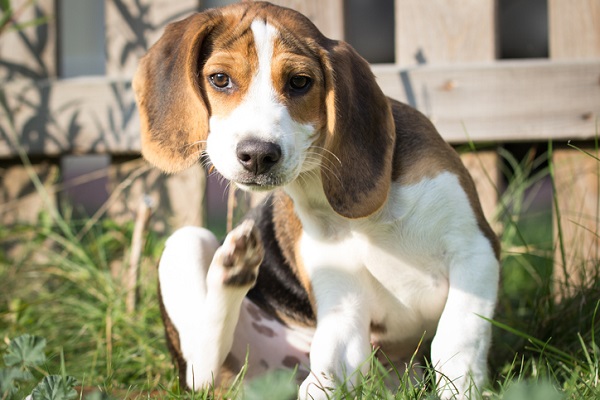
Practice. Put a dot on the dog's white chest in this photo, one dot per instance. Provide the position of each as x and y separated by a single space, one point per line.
400 256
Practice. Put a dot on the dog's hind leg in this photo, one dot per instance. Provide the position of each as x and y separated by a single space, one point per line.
182 287
202 287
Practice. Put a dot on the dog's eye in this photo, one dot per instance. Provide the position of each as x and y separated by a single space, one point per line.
300 83
220 80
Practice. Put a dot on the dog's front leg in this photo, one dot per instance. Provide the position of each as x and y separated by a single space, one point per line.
341 347
205 309
232 273
460 346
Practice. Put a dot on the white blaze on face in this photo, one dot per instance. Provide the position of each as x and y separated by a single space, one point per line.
259 116
261 96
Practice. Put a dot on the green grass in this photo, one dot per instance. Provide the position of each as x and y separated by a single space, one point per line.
57 284
64 291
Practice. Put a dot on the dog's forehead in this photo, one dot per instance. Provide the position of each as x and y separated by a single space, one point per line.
248 25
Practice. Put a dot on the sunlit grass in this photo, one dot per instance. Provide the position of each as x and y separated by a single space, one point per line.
60 285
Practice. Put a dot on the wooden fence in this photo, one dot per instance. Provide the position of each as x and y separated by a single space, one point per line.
445 62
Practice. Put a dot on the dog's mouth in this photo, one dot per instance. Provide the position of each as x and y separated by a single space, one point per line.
252 182
259 183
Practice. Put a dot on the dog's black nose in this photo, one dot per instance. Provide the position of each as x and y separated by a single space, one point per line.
257 156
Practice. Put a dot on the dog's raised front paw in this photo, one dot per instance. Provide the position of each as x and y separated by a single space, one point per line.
240 255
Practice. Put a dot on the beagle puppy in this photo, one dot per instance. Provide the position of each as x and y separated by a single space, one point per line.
372 238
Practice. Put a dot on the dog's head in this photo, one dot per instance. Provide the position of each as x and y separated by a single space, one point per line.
266 97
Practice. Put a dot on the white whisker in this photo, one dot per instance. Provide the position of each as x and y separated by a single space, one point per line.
329 152
315 159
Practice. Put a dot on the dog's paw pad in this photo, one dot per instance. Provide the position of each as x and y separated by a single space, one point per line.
240 255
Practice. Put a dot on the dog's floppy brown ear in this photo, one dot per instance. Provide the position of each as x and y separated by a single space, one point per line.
173 113
357 168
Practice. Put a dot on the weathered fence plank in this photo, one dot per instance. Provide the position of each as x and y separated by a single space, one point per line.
575 35
84 115
30 53
502 101
574 29
442 31
179 198
19 198
328 15
133 26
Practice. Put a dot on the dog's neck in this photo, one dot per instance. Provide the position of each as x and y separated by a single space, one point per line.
307 192
310 204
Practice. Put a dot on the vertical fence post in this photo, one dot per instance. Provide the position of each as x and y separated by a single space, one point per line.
575 34
327 15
